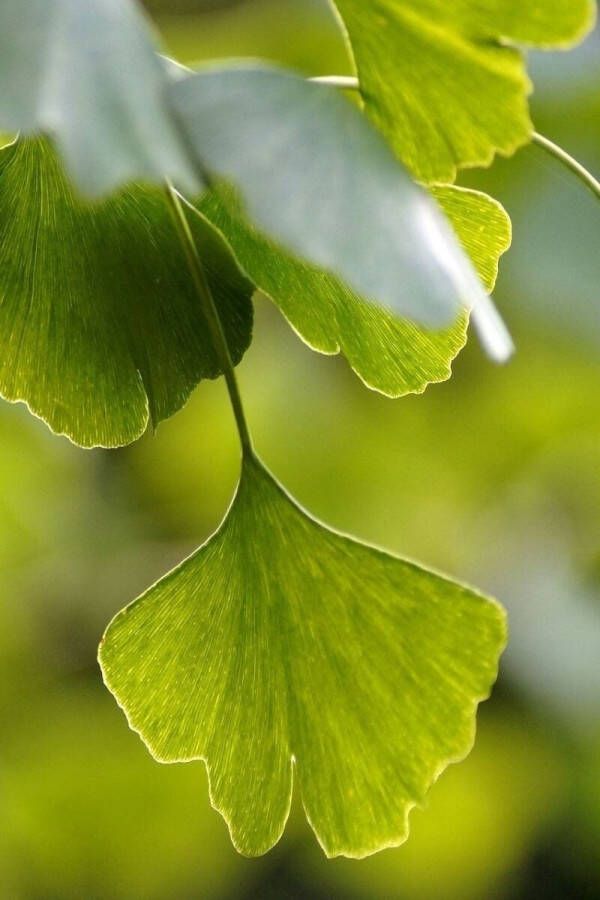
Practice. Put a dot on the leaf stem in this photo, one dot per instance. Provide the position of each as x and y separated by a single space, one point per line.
569 162
211 313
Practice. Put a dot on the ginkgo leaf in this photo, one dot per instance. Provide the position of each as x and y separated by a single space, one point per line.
87 73
390 354
314 176
100 328
311 170
441 80
482 224
282 647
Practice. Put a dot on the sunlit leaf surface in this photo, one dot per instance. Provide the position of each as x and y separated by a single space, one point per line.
443 80
100 328
281 650
390 354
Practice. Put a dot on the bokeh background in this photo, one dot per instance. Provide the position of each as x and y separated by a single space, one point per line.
493 477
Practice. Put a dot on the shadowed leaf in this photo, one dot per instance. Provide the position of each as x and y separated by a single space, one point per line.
390 354
100 328
316 178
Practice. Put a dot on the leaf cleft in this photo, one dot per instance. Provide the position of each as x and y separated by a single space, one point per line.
283 650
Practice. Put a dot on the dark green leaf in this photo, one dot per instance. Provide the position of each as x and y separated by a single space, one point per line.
100 328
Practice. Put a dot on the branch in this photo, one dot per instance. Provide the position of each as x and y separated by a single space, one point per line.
569 162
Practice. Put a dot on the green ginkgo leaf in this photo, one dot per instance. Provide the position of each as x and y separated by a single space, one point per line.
390 354
317 178
444 81
311 170
86 72
284 651
101 331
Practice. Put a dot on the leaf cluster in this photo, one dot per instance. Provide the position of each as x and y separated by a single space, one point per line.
280 649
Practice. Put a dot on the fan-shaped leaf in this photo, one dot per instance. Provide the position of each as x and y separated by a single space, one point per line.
100 328
281 645
390 354
441 80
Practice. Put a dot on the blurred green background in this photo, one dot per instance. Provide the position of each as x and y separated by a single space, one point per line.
493 477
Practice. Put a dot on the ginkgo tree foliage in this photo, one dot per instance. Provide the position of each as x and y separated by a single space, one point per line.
446 83
141 205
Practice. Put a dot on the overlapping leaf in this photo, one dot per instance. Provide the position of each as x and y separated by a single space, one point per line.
317 179
86 72
442 81
389 353
100 328
312 173
282 647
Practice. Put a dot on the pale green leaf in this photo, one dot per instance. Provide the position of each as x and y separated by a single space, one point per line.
390 354
86 72
482 225
100 328
284 651
441 79
315 177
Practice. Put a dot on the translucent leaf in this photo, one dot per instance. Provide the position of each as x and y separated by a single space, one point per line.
100 328
318 179
441 80
282 647
86 72
390 354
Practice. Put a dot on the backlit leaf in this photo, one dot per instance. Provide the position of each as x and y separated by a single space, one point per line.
311 171
390 354
100 328
282 650
443 80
